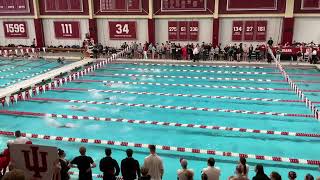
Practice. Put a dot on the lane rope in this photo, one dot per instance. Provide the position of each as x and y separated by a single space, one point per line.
197 65
296 89
180 95
173 107
187 85
207 71
187 77
165 148
22 71
8 69
162 123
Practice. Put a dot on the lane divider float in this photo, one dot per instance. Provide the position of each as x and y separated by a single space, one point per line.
181 95
161 123
165 148
188 77
22 71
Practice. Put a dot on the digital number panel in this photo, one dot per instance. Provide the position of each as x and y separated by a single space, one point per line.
15 29
122 30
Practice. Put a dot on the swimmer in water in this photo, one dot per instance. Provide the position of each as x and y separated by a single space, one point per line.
68 125
134 78
76 108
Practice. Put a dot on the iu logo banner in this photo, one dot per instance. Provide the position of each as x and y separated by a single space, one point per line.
37 162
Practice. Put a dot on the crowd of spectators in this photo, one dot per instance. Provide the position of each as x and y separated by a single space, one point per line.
130 169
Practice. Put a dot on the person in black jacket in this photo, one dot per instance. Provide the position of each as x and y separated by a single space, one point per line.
84 164
109 166
130 167
65 165
260 175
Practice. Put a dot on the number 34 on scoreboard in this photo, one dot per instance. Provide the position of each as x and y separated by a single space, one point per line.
123 30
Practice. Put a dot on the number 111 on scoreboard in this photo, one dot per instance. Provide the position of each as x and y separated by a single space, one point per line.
67 29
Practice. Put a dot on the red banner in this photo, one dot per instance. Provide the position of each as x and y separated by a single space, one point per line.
193 30
237 30
247 5
67 29
122 30
249 30
183 5
261 30
14 6
120 5
173 30
15 29
183 30
310 4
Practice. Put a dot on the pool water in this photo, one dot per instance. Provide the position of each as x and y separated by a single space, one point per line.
250 143
12 71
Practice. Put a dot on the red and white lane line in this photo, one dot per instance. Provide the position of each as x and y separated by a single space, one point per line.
181 95
109 83
8 69
166 148
24 78
189 77
159 106
167 124
100 176
199 65
193 70
22 71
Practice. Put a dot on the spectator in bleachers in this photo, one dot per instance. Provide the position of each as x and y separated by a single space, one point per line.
84 164
144 174
270 42
308 177
130 168
238 174
275 176
185 173
210 173
19 139
109 166
154 164
260 175
65 165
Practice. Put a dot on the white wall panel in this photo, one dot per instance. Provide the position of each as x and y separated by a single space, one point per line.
51 40
205 30
274 30
306 29
103 31
17 41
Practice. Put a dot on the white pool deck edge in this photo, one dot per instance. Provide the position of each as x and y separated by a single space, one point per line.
37 79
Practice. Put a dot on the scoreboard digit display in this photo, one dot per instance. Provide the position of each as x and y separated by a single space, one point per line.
15 29
122 30
261 30
67 29
183 30
14 6
173 30
237 30
183 5
193 30
120 5
249 30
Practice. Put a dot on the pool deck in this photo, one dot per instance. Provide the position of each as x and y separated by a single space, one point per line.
37 79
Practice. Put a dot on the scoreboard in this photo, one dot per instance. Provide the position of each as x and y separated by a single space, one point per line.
120 5
183 5
122 30
63 5
247 5
14 6
310 4
15 29
67 29
249 30
183 30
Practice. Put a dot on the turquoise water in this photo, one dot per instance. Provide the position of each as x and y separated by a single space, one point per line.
273 145
12 71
